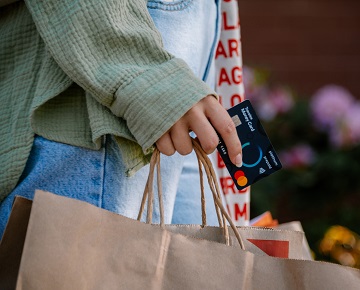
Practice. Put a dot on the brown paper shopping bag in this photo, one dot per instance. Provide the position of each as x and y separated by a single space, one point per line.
12 243
73 245
14 237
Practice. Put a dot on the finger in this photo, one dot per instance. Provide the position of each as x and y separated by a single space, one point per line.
206 134
225 126
165 145
180 137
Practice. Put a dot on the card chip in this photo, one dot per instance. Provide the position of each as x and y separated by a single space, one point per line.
236 120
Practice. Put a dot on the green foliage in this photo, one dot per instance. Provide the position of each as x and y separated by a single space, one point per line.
320 191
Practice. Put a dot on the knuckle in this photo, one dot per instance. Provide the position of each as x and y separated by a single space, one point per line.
185 151
211 144
185 147
164 149
168 152
229 127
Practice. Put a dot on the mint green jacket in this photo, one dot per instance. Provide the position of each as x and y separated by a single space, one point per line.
73 71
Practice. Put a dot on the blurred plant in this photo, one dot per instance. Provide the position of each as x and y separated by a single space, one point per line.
270 101
341 245
337 113
300 155
317 139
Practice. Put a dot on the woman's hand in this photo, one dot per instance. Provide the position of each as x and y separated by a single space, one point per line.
202 118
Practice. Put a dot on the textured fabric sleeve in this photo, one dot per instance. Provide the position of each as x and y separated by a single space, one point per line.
112 49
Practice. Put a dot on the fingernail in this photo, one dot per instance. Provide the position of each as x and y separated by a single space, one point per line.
238 160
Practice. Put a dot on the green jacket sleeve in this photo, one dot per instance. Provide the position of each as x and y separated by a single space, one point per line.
112 49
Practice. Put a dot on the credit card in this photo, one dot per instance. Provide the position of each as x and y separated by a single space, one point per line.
259 157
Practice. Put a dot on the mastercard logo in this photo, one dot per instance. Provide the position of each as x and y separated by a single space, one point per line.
240 178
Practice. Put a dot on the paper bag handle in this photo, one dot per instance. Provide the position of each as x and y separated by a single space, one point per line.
203 161
148 193
155 160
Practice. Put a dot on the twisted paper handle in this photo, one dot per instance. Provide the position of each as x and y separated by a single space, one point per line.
203 162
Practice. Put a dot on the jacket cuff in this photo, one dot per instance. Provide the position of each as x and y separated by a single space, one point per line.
157 98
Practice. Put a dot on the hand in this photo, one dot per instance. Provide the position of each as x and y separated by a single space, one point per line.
202 118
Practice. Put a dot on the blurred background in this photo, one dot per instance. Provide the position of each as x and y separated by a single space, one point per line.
301 68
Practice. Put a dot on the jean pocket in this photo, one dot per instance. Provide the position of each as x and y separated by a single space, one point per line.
169 6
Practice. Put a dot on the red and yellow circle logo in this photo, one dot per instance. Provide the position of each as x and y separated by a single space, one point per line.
240 178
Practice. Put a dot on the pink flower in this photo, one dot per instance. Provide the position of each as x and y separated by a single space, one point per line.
248 78
282 99
329 104
300 155
276 101
346 132
336 111
352 121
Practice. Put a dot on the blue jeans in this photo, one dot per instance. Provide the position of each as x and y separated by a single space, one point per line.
98 177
